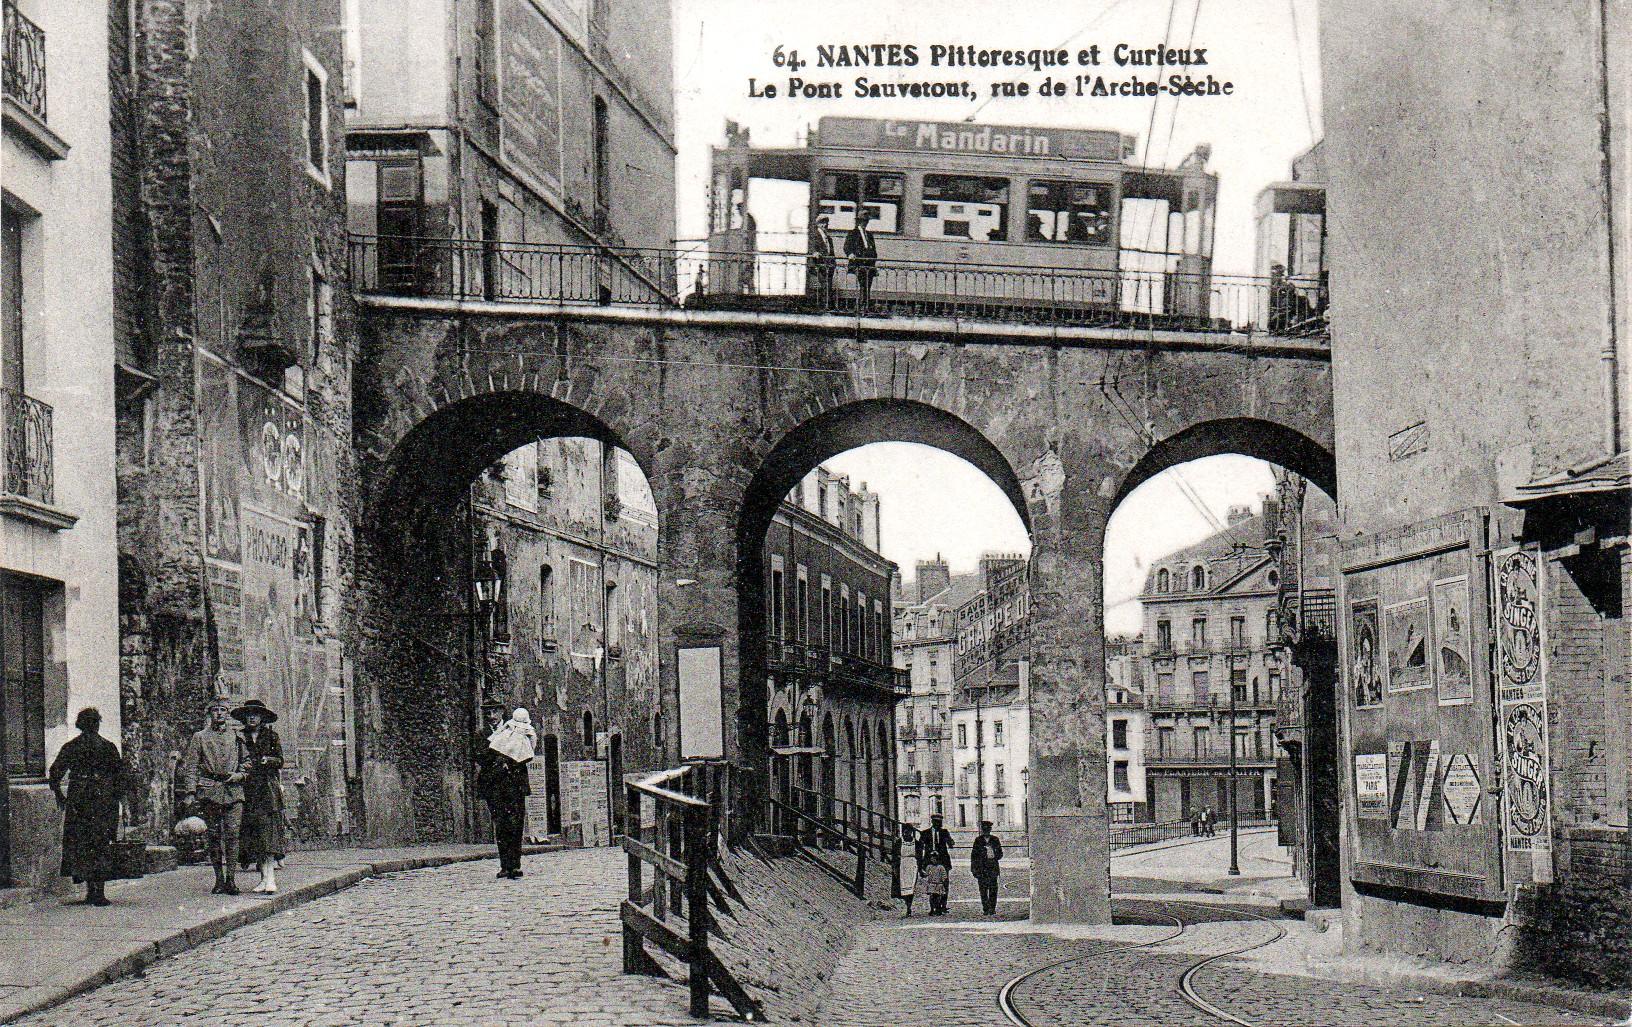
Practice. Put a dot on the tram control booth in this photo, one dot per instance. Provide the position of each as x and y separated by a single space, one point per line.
1291 220
1034 224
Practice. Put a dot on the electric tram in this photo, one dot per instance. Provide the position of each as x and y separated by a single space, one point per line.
1047 221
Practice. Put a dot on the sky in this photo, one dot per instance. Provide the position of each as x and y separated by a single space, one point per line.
933 502
1254 133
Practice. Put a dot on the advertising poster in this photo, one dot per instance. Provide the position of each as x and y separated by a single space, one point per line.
219 457
1405 627
1462 789
1453 673
1371 785
269 632
1525 787
274 450
1365 674
1521 648
1520 645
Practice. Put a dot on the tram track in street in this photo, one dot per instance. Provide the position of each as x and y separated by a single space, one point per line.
1184 985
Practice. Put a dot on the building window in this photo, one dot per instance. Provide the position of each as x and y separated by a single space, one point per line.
316 119
777 610
1238 683
546 601
1198 578
1164 742
1272 627
1162 580
599 146
11 294
1164 635
999 816
1274 684
963 814
827 613
963 736
1069 212
1198 632
1200 741
801 605
1200 686
397 210
964 207
841 193
1164 685
1238 632
1119 733
997 732
589 730
1000 780
1119 776
22 671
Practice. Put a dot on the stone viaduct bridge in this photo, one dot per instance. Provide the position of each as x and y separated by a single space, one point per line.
725 411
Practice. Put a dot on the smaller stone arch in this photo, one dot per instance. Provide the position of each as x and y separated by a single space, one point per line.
1164 580
1248 436
1198 578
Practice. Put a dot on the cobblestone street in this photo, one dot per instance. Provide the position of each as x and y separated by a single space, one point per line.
449 945
453 946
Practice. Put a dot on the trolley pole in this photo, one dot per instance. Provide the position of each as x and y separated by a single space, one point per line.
1235 825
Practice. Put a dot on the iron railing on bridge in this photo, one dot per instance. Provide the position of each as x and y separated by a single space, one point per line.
565 275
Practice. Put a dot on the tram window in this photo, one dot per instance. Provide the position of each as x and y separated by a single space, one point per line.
842 190
1070 212
964 207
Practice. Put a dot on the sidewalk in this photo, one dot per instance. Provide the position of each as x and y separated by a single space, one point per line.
51 950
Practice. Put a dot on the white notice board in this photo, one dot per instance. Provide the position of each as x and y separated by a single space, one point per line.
702 733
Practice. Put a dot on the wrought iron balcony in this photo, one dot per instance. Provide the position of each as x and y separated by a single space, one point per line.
26 449
554 275
25 61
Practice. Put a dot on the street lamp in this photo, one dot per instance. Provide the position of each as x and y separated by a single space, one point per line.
1025 799
1235 826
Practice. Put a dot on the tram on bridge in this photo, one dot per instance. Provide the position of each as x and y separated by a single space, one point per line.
987 220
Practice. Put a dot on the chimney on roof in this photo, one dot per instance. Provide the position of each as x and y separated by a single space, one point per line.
932 576
1238 512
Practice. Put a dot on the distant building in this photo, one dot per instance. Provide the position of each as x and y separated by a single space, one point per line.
925 640
1126 795
569 528
990 710
1209 620
832 685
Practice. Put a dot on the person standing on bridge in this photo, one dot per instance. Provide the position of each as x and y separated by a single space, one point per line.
861 250
822 262
506 789
933 853
984 858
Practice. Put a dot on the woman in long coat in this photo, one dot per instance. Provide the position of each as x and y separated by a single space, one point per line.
96 776
261 840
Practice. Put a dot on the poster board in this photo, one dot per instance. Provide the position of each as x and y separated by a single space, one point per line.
1417 708
702 729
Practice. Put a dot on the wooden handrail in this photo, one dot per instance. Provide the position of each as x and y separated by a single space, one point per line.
682 849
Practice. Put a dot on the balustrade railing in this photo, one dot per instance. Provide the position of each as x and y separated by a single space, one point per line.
561 275
27 455
25 61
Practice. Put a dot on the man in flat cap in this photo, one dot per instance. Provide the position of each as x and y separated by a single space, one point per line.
212 785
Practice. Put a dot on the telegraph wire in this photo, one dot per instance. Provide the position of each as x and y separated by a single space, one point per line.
1303 85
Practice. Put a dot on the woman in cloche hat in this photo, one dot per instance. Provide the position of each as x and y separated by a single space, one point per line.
261 842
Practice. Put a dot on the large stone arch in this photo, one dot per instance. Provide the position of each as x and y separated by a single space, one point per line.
709 401
1268 440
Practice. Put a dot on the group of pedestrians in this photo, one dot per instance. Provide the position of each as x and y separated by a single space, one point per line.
932 852
861 256
1203 824
229 788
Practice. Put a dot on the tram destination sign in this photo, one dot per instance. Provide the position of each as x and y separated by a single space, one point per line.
964 138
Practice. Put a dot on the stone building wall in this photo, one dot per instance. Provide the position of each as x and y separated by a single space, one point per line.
234 452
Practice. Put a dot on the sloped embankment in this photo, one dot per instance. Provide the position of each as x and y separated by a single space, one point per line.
788 924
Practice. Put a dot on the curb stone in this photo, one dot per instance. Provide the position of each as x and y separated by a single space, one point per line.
37 999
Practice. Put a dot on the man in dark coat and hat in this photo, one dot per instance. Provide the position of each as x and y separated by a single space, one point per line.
96 777
985 859
861 250
934 847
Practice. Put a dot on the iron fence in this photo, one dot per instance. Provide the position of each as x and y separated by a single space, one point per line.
27 454
25 61
561 275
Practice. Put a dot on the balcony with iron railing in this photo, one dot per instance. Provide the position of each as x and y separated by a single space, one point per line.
1212 702
535 274
24 81
28 461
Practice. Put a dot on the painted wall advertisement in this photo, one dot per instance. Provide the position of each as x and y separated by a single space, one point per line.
1522 693
261 556
530 79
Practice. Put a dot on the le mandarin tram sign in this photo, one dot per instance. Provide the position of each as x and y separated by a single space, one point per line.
982 140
